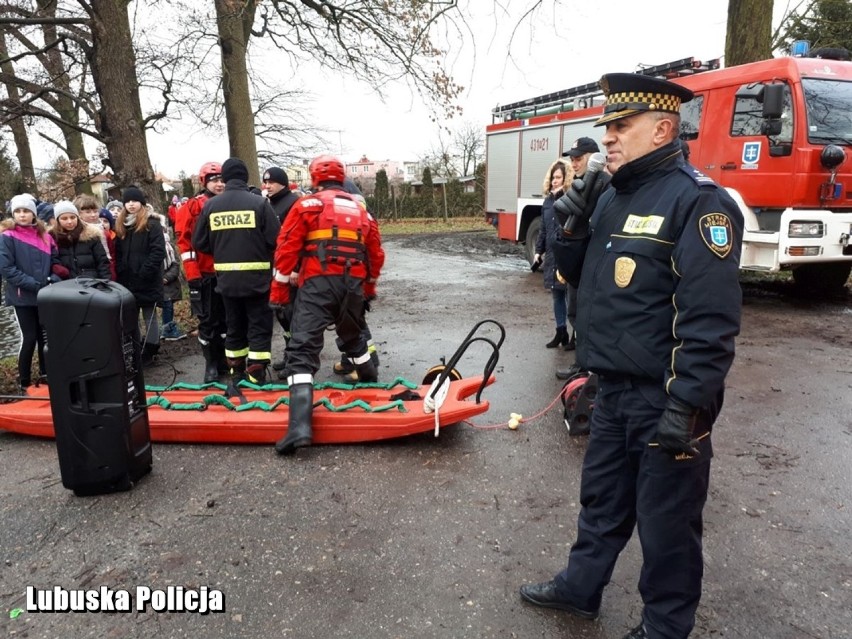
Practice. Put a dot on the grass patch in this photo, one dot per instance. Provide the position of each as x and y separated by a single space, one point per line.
413 226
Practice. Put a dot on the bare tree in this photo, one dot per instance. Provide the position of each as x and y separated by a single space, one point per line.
749 35
469 143
19 130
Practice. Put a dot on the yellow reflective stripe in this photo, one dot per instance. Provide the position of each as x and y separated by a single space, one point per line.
235 354
258 356
327 234
242 266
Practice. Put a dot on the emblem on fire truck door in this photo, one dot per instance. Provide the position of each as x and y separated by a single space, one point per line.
717 234
751 154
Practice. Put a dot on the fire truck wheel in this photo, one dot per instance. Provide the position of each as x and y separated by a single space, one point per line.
821 278
432 374
532 236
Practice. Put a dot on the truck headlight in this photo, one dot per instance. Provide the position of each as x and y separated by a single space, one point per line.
806 229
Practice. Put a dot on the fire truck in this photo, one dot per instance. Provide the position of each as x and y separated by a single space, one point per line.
774 133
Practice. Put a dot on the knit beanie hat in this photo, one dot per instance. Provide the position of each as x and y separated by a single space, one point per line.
133 194
234 169
107 215
24 201
64 207
276 174
112 204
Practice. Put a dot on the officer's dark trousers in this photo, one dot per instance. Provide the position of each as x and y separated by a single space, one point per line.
627 479
249 322
323 301
210 311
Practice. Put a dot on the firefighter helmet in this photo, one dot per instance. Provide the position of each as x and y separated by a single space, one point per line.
209 170
326 168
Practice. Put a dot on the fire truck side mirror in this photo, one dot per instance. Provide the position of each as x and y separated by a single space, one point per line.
772 97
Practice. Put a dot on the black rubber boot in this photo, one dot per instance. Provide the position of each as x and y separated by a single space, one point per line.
569 342
237 367
218 351
211 366
299 428
149 352
256 371
367 372
561 334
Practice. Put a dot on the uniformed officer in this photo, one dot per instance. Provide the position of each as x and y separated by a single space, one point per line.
239 229
658 309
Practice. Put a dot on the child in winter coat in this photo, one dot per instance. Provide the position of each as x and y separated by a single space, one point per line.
172 286
139 253
81 245
28 262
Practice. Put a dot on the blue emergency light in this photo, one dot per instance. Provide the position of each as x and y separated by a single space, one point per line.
800 48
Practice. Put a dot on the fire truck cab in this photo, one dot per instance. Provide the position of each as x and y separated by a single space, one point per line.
776 133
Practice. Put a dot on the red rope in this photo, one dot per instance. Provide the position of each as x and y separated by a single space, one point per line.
524 420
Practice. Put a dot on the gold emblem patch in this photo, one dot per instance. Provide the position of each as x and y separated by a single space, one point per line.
624 267
717 233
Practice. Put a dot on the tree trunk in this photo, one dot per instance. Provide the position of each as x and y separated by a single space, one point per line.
234 19
63 104
19 129
749 36
114 73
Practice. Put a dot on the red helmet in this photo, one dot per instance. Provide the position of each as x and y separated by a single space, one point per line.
208 170
326 168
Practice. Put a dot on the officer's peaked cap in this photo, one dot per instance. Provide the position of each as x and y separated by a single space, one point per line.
631 93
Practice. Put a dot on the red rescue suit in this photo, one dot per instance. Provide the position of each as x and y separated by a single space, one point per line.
330 240
194 262
327 233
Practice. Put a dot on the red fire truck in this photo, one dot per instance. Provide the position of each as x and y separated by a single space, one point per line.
775 133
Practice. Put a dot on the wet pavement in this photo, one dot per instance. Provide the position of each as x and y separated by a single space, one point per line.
427 537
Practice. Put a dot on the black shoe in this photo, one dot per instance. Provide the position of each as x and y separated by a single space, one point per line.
569 343
279 364
567 373
545 595
561 335
638 632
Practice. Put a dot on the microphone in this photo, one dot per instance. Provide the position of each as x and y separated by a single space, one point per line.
597 161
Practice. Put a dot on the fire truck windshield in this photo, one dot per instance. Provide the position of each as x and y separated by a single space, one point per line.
829 106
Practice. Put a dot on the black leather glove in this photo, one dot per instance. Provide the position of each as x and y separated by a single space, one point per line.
572 203
284 315
676 426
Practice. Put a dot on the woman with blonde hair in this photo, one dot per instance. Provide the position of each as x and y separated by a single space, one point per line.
139 253
556 179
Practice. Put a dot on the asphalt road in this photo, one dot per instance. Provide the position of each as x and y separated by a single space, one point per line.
429 537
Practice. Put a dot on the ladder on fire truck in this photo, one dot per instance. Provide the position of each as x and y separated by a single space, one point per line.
581 97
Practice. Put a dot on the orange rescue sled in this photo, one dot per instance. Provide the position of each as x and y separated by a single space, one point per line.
342 413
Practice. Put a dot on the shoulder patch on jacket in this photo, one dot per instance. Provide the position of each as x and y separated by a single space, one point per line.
716 231
697 176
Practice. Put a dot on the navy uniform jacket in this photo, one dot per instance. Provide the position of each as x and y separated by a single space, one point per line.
239 229
659 296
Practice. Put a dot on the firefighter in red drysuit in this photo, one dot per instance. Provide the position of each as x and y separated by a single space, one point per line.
329 237
205 302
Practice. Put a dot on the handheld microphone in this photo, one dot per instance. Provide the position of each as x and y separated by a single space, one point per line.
597 161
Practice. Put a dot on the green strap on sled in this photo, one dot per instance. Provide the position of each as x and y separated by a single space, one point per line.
218 399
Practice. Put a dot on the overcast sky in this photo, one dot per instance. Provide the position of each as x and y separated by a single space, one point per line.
562 48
